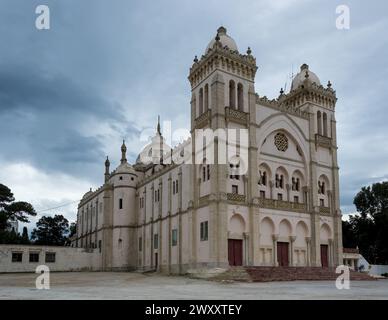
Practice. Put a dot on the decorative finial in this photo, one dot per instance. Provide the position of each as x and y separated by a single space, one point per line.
221 30
107 164
195 59
281 91
329 84
217 37
158 127
249 51
123 152
306 75
304 66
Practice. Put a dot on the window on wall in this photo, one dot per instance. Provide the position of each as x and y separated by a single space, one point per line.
232 94
295 184
280 196
176 186
120 203
262 194
17 256
324 117
204 231
321 187
34 256
322 202
319 122
174 237
296 199
140 243
235 189
262 178
240 97
279 181
205 172
99 246
156 241
173 187
200 101
206 97
50 257
234 170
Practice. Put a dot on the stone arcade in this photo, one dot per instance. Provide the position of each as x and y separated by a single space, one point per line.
283 211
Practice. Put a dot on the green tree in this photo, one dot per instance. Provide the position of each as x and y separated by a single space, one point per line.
11 210
51 231
25 238
369 229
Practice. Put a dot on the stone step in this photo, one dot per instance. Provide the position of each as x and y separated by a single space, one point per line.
263 274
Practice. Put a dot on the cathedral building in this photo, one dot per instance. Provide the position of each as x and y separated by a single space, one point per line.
275 202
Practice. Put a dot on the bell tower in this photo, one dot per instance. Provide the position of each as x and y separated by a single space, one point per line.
222 97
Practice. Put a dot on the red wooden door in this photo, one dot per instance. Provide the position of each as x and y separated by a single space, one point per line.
283 254
235 252
324 255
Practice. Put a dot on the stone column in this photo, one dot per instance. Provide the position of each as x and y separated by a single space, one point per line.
288 188
275 238
292 240
169 222
180 247
308 251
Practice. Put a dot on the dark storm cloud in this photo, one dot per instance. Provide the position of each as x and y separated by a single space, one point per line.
106 69
42 116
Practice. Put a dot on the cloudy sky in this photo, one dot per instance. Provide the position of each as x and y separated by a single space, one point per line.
106 69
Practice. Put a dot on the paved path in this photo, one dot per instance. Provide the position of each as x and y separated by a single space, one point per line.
107 285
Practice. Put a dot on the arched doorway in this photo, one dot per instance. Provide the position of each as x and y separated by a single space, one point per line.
235 243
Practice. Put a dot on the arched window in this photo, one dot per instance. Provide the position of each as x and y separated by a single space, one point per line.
319 122
200 101
232 94
206 97
240 97
325 124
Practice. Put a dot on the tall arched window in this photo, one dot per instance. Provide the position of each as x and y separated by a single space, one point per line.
232 94
206 97
200 101
240 97
325 124
319 122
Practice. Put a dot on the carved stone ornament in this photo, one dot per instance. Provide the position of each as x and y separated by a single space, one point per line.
281 141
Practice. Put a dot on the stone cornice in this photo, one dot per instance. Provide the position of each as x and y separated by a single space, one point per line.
222 58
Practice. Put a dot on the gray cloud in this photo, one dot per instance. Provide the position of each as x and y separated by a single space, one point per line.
104 71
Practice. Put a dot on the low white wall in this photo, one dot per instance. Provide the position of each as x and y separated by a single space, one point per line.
66 258
376 269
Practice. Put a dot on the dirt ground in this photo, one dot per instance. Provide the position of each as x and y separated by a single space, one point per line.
108 285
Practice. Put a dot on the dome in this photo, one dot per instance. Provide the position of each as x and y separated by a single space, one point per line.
301 77
125 168
224 39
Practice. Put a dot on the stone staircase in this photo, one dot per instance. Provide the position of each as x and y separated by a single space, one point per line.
299 273
265 274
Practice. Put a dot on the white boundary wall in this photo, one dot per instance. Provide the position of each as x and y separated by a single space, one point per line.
66 258
377 269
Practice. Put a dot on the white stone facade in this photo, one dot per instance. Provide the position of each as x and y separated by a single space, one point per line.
283 210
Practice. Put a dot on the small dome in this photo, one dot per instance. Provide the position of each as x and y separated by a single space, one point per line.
224 39
304 74
125 168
